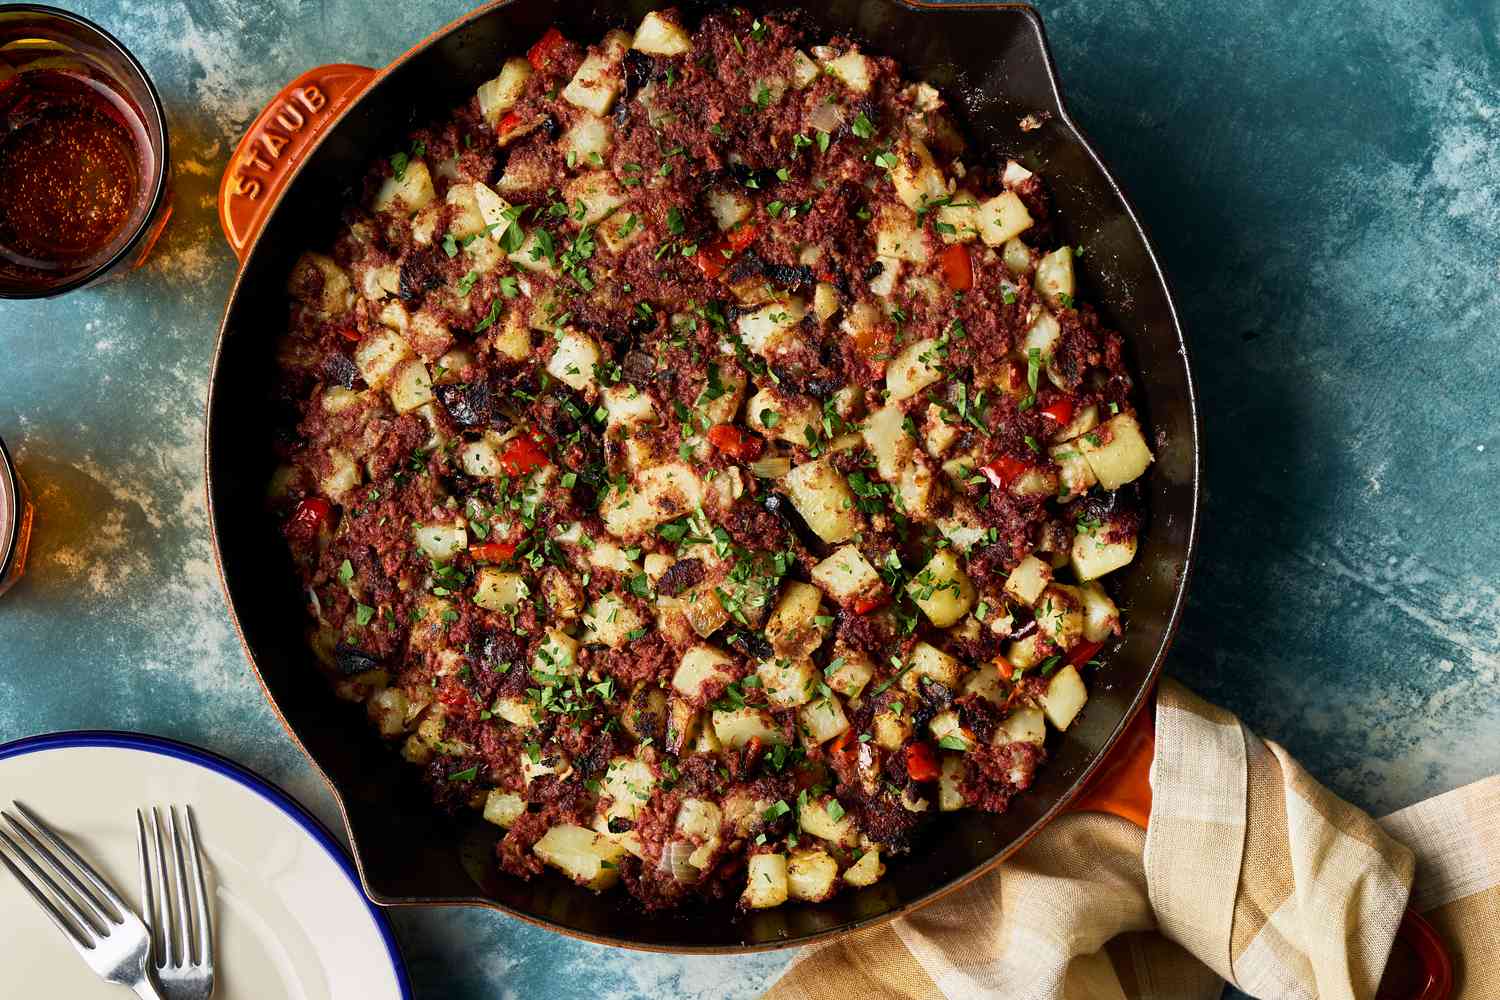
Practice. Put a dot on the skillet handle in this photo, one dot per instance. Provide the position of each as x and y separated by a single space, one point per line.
1419 967
276 142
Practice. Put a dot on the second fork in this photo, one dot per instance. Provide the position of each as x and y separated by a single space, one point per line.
175 904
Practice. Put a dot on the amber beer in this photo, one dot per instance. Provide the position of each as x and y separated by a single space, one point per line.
82 154
15 522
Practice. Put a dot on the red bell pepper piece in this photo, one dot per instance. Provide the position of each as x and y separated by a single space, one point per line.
507 123
1083 654
545 48
864 605
1060 411
524 453
350 334
921 762
735 442
958 270
492 552
1003 471
1003 668
311 515
714 257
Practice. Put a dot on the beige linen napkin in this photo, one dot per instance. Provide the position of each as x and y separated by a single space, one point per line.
1251 872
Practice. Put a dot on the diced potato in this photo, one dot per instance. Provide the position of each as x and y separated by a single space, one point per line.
441 542
503 808
850 672
1042 336
379 356
918 180
962 214
846 575
1035 484
942 589
928 661
793 629
825 301
898 235
986 683
1023 654
1027 581
822 719
1059 615
388 709
1116 451
1054 277
327 291
804 70
887 438
1094 555
852 69
699 819
557 655
337 399
1085 419
588 858
810 875
1025 725
597 192
772 326
658 35
700 665
411 192
950 778
512 337
817 818
531 255
790 416
728 206
587 141
609 621
739 726
519 712
1075 475
621 231
1101 619
499 95
411 388
787 683
823 498
867 870
627 406
628 783
1065 697
892 728
575 360
1002 218
946 726
496 590
660 494
541 765
913 370
765 881
599 80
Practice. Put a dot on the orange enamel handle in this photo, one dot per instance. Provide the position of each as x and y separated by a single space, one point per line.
276 142
1419 966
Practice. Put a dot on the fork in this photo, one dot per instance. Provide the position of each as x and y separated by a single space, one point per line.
112 940
182 932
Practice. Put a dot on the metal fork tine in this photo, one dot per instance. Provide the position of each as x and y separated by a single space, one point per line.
149 914
84 868
201 919
181 921
79 928
163 899
99 917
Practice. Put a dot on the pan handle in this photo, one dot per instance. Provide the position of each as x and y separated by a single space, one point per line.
276 142
1419 967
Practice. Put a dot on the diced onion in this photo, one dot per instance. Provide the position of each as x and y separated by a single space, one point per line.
771 466
674 861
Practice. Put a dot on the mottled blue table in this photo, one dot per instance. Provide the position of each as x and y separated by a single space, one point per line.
1323 181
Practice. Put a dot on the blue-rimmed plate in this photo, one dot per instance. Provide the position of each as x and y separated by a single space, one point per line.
292 921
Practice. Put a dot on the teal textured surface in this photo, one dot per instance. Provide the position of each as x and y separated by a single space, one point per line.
1323 185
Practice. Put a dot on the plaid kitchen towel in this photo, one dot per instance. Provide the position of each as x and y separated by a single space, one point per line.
1251 872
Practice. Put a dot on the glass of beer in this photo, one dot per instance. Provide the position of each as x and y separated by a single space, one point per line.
83 154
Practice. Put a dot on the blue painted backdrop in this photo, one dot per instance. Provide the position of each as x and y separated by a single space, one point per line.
1323 181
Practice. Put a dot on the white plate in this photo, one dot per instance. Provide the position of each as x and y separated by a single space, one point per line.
290 918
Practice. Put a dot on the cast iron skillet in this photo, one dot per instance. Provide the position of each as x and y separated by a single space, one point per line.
281 195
